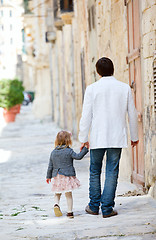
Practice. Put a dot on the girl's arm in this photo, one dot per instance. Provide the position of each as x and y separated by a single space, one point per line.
50 169
80 155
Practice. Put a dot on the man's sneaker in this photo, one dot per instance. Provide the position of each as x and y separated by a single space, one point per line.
113 213
88 210
70 215
57 210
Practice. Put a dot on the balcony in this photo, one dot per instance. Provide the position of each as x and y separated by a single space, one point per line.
67 11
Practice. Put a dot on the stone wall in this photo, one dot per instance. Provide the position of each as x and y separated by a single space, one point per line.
105 34
113 43
37 66
148 9
96 29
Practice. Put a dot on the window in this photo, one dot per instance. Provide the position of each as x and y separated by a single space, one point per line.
91 18
55 9
1 1
26 6
10 27
1 13
66 5
10 13
11 41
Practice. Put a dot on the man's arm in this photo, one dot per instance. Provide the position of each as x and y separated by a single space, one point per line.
133 120
86 117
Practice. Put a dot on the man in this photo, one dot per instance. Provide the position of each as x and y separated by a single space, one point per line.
106 103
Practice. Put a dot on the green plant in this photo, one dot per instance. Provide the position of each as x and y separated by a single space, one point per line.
11 93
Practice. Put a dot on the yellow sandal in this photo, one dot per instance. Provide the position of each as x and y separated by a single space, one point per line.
57 211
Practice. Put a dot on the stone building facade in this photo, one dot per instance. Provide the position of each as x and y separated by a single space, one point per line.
11 24
36 57
78 33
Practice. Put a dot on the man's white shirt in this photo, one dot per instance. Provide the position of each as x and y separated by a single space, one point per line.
106 104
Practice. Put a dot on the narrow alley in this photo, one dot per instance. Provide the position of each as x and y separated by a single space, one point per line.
26 208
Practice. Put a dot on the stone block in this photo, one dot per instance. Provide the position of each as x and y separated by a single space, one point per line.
116 10
148 43
145 4
147 69
148 20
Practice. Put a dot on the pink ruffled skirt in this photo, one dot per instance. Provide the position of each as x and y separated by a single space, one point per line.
62 183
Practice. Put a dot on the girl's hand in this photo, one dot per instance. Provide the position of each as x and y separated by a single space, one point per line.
86 144
48 180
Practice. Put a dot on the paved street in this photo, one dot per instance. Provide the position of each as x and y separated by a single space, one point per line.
26 201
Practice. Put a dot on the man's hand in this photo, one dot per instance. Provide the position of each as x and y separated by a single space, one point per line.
86 144
133 144
48 180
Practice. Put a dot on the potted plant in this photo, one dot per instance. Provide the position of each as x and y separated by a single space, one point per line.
11 97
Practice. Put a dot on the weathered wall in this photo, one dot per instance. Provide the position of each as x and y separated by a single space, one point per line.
29 68
79 43
71 41
42 102
36 67
148 10
89 40
63 78
111 31
81 63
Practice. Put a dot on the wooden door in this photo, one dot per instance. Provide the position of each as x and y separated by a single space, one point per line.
134 62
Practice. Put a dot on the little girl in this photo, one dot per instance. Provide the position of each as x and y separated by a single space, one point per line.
62 171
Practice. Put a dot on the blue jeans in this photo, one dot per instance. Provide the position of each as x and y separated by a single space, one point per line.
111 177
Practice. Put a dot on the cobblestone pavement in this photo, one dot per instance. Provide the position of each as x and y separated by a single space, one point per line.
26 201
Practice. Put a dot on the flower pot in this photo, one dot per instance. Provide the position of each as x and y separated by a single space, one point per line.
18 108
10 115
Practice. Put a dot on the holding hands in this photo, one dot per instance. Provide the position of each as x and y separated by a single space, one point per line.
86 144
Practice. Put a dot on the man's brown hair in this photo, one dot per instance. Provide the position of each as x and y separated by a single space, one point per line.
63 138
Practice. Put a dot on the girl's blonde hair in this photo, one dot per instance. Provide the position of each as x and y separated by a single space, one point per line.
63 138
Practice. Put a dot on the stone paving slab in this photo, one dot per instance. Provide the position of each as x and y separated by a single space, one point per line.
26 201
